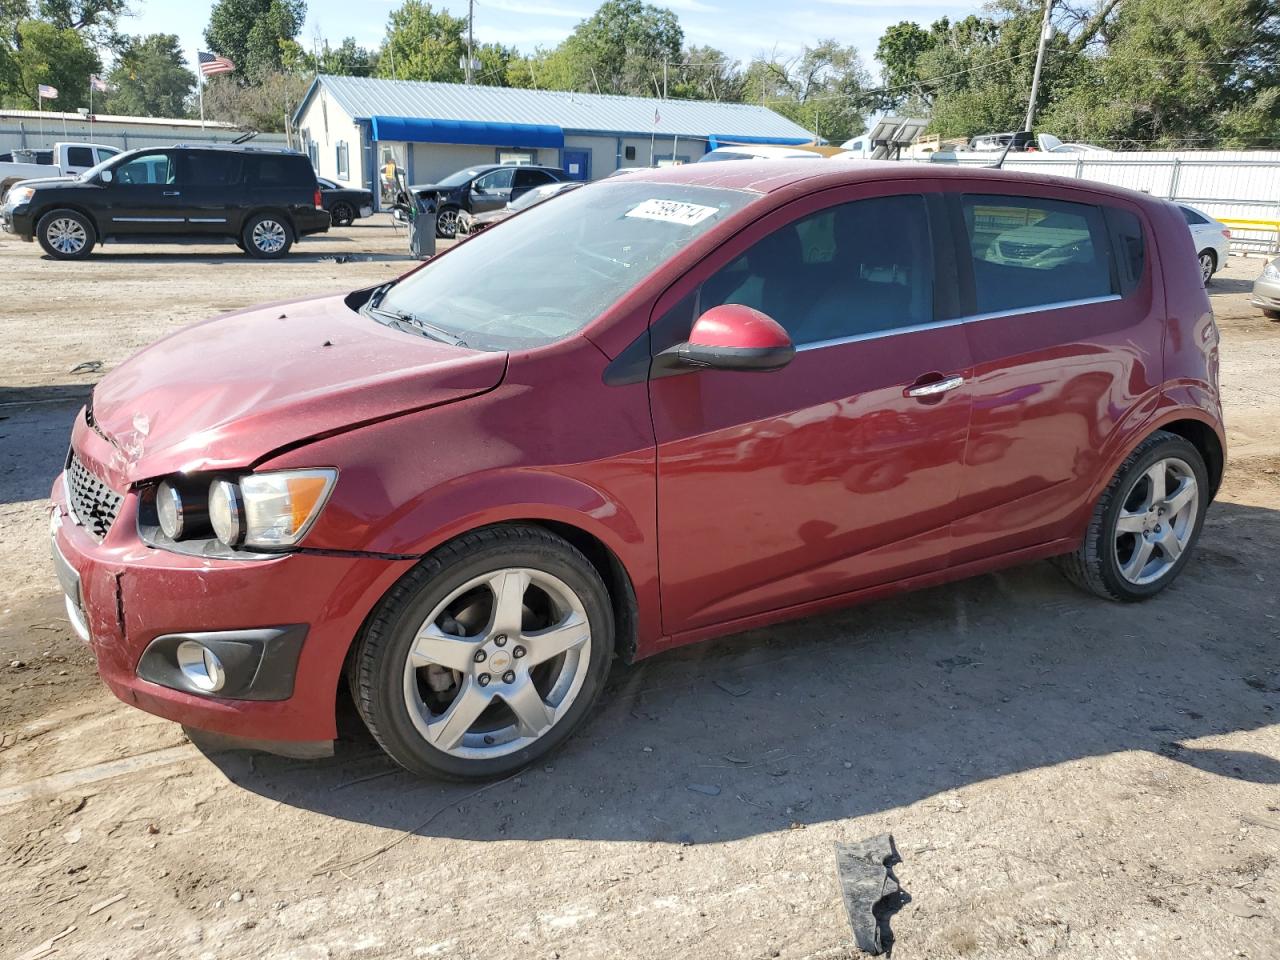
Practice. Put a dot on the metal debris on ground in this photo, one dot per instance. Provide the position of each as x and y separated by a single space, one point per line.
869 889
89 366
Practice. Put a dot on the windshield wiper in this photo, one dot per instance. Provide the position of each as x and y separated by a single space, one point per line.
402 319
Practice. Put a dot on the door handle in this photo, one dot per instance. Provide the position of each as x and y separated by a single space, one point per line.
936 388
172 193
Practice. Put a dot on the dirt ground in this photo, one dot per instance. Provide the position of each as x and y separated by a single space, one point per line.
1064 777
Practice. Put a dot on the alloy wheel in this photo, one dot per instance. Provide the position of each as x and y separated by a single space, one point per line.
1157 520
1206 267
497 664
269 236
67 236
447 223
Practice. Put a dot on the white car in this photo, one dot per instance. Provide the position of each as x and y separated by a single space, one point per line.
1213 240
758 153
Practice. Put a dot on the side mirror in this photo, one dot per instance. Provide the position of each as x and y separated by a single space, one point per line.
106 176
735 337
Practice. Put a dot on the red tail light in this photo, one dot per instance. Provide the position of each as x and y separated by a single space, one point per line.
319 200
1227 234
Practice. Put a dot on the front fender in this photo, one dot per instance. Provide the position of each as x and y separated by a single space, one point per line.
570 452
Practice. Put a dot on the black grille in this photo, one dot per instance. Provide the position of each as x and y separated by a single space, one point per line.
94 504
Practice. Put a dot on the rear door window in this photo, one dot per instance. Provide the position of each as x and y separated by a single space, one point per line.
80 156
1035 252
854 269
270 170
531 178
211 168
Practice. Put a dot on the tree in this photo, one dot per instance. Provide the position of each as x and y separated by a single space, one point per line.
94 19
150 78
423 44
348 59
705 73
899 53
825 89
252 33
265 105
626 46
46 54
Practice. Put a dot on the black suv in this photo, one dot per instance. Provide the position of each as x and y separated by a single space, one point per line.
481 188
262 199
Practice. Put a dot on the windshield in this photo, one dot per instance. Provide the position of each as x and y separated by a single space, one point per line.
106 162
459 178
552 270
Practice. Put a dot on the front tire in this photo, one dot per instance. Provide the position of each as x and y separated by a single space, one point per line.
1145 524
1271 314
66 235
447 223
486 656
267 236
1208 266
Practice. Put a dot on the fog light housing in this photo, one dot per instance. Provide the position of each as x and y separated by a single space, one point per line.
201 666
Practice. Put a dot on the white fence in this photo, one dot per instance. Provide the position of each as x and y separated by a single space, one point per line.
1241 185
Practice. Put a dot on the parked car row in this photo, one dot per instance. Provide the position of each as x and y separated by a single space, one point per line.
264 199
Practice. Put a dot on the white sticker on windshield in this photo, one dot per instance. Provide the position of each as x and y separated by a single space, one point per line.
672 211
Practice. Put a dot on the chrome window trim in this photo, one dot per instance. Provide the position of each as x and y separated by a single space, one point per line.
968 318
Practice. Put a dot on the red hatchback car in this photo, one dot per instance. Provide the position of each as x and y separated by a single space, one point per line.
669 406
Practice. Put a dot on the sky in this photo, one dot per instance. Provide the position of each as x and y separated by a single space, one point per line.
742 28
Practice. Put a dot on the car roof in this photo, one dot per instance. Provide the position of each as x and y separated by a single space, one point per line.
770 176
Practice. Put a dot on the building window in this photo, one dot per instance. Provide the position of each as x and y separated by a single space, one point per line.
516 157
313 151
629 153
344 161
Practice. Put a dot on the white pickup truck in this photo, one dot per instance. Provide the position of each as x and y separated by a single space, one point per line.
64 160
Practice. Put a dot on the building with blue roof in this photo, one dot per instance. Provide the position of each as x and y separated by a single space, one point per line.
353 126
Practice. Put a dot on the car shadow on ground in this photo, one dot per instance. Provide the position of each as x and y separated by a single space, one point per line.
35 427
861 712
1225 285
234 255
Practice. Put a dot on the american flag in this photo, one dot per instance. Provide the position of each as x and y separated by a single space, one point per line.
97 83
211 65
47 92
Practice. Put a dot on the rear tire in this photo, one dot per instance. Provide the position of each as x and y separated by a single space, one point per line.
1145 524
66 235
267 236
341 214
1271 314
1208 266
454 682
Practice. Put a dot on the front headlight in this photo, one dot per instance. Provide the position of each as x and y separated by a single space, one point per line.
268 509
20 195
1271 271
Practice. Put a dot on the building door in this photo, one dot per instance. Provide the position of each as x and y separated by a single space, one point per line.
577 164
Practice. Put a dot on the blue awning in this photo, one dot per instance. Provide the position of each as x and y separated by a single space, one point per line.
467 131
722 139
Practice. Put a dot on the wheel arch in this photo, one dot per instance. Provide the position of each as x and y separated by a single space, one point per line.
75 208
280 212
1205 439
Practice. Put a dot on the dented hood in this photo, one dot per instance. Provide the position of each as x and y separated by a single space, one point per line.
229 391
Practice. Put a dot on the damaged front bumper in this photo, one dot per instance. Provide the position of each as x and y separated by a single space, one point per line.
282 625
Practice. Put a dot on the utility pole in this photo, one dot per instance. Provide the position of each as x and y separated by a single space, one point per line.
1046 28
471 23
664 79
